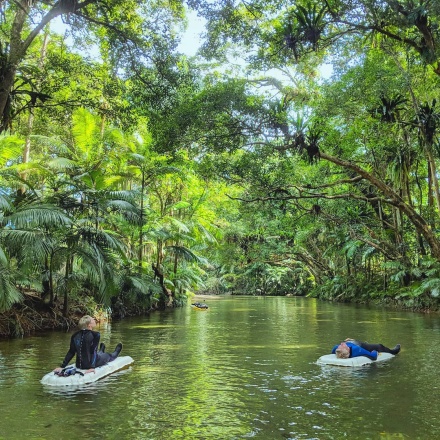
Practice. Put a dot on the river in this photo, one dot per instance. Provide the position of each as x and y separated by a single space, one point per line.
244 368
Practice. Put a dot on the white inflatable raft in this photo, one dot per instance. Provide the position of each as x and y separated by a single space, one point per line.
53 380
358 361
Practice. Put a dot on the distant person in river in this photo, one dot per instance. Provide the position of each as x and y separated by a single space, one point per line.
84 344
200 305
352 348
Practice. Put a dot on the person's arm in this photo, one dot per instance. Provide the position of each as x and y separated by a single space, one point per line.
96 338
334 349
369 354
69 355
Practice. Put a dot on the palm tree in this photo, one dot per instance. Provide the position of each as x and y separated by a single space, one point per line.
72 233
144 168
30 234
9 294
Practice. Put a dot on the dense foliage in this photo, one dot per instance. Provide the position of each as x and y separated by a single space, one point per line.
132 175
365 209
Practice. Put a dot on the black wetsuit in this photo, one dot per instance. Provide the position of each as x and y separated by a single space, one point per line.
359 348
84 344
370 347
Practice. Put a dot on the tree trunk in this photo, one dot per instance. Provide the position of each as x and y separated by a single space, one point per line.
168 295
433 174
66 291
141 227
8 75
420 224
30 124
18 46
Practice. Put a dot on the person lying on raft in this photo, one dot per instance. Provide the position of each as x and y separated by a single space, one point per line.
84 344
352 348
200 305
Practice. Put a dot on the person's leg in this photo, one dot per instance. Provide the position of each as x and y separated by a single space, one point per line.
105 358
380 348
115 354
102 359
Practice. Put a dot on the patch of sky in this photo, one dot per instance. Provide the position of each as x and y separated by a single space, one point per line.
190 43
192 40
86 49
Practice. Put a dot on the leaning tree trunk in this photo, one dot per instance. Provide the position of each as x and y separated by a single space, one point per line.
394 199
433 174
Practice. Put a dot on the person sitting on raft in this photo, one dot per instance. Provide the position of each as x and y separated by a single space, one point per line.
84 344
352 348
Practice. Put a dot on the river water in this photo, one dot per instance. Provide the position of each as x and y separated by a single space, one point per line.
244 368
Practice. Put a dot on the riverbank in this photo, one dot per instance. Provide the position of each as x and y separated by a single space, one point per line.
33 315
207 297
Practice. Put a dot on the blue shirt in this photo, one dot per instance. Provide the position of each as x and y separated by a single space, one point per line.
356 350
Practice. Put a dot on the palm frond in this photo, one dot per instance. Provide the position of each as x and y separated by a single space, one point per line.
183 252
10 148
5 204
37 215
126 195
61 164
9 294
177 223
206 234
102 238
21 238
3 258
84 131
121 206
141 284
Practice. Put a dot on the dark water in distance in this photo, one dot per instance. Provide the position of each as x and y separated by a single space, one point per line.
245 368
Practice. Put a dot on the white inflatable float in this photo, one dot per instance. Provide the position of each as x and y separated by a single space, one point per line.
53 380
358 361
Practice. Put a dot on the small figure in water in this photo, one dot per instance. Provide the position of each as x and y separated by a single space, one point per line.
352 348
84 344
200 305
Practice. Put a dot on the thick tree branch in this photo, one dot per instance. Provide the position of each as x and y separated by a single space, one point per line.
394 199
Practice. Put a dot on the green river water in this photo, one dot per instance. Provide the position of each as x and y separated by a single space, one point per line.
244 369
